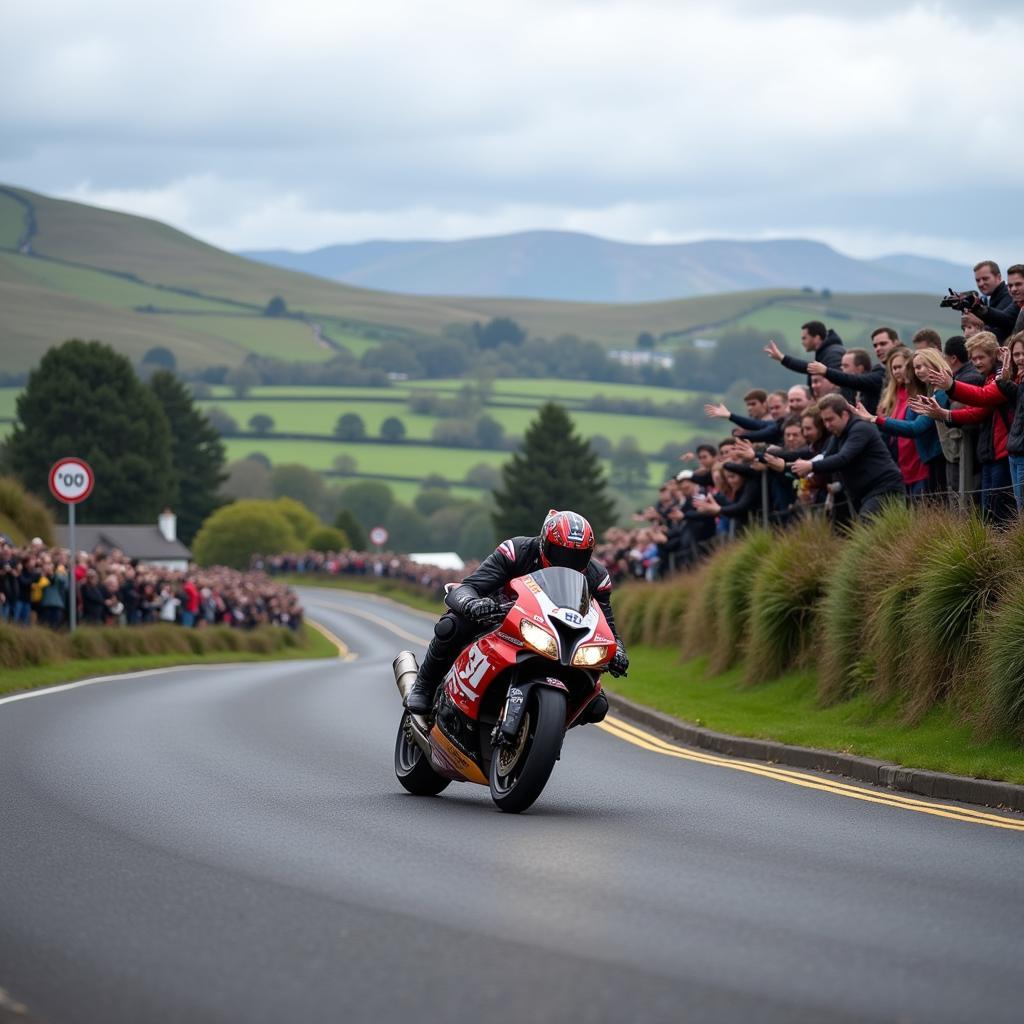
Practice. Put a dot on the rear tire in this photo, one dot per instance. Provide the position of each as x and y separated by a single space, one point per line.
519 773
413 767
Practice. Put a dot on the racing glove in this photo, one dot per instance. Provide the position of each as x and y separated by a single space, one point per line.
483 610
620 663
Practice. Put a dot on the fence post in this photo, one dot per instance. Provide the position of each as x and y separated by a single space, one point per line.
765 503
966 470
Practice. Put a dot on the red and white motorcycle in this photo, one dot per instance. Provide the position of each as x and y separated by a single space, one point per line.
501 715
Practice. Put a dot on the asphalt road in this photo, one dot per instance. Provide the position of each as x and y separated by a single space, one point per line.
230 844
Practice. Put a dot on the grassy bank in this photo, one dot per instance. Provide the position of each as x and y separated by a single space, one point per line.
409 594
270 644
787 710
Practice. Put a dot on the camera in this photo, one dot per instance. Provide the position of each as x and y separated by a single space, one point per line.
962 302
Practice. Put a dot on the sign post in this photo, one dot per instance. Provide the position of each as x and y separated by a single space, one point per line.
71 481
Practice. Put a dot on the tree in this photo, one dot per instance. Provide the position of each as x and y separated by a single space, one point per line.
236 532
454 434
242 380
629 466
369 501
348 523
350 427
476 535
292 480
247 478
489 432
502 330
159 356
197 454
222 422
84 399
407 529
276 307
262 458
261 423
300 519
483 475
345 464
327 538
392 429
556 468
430 499
601 445
645 341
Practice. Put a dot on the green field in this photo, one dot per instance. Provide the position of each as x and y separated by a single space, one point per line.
541 389
650 432
12 221
8 398
290 340
222 391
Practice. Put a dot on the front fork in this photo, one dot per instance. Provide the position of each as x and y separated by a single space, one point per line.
507 727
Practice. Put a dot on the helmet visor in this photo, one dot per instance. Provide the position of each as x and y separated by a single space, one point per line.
568 558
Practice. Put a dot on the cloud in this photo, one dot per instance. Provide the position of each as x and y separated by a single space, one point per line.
302 124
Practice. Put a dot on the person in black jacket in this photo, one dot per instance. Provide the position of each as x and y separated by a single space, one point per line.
566 539
996 309
858 455
823 344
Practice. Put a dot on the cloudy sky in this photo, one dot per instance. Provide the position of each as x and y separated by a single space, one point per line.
876 126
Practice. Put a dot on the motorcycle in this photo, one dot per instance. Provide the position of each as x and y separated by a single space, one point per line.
501 714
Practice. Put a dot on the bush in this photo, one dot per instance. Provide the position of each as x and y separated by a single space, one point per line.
327 538
302 521
789 584
1000 665
23 647
700 623
25 512
234 533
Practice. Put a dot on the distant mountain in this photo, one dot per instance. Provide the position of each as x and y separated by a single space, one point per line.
567 266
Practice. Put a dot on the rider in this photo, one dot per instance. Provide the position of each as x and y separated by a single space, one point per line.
566 539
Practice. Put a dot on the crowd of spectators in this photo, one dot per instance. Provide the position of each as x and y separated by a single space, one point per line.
933 420
111 589
360 565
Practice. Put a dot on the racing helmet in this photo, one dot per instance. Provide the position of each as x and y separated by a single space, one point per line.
567 540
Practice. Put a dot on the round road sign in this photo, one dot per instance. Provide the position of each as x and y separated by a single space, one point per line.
71 480
379 536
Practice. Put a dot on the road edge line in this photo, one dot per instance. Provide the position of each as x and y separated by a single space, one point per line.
884 774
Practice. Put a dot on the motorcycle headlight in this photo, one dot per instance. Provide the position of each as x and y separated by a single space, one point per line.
591 655
539 639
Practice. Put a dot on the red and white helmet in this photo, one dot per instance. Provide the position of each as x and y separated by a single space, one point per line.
566 539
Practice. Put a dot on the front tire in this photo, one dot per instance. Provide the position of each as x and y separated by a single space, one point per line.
520 771
413 767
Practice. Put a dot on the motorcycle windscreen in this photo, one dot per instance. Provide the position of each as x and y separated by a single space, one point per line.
565 587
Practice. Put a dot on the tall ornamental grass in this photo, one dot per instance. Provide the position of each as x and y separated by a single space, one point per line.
700 622
961 573
845 662
786 593
740 566
1000 663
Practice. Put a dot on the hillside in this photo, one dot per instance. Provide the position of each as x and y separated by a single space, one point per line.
567 266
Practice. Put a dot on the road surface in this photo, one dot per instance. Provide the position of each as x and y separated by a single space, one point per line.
230 844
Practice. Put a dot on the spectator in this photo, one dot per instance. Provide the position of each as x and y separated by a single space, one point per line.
858 455
988 407
996 310
919 451
798 398
756 402
825 345
954 438
926 338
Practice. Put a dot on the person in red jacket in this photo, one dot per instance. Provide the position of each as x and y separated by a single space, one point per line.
189 603
988 407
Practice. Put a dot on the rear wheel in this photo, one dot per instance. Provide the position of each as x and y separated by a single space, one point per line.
413 767
520 770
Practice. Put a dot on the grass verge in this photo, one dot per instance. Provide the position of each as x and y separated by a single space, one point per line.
787 710
313 645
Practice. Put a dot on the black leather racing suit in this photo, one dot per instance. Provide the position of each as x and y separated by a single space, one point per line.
514 557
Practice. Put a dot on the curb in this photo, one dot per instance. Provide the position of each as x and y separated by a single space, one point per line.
938 785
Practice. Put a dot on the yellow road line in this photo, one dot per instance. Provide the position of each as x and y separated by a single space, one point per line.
376 619
647 741
343 651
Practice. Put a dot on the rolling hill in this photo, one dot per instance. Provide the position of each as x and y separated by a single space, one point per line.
71 270
567 266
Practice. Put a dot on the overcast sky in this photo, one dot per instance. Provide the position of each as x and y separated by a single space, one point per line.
876 127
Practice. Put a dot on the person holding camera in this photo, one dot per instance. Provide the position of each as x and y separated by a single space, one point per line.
994 307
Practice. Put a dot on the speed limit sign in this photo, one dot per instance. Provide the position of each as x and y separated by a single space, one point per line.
379 536
71 480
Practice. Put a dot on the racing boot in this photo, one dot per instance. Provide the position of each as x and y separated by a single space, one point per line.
436 662
421 696
596 711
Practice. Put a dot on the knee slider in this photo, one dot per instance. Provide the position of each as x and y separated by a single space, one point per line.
445 628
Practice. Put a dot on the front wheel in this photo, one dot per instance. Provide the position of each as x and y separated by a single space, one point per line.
413 767
520 770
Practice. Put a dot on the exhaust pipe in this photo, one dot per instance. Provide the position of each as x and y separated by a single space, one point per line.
405 667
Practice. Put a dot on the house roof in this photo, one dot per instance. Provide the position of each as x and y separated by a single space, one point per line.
144 542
